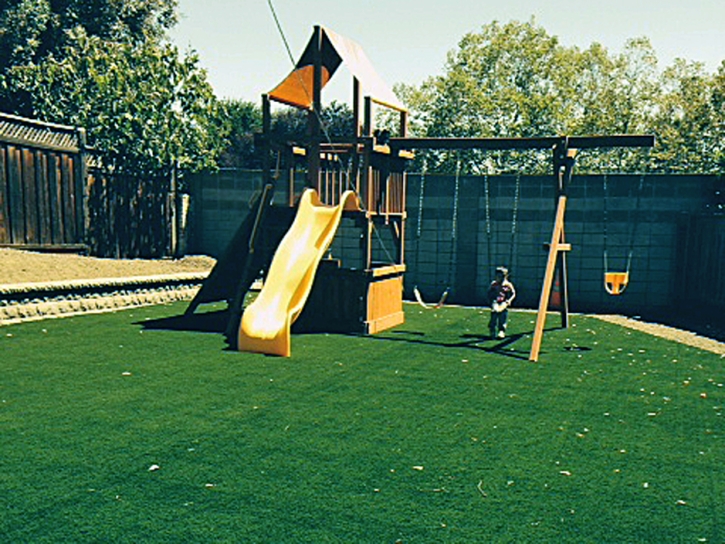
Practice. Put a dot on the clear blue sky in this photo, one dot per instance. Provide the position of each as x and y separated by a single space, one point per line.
407 40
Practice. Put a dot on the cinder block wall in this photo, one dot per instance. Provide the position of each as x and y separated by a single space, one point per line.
440 256
219 204
647 221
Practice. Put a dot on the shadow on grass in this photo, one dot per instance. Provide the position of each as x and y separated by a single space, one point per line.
211 322
469 341
216 322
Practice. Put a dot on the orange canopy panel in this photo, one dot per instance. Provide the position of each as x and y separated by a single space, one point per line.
296 89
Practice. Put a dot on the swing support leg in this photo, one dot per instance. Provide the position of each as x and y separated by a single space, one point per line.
555 254
563 286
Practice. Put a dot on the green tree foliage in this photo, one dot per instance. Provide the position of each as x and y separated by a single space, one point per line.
718 106
516 80
690 119
30 30
288 125
105 66
336 119
244 120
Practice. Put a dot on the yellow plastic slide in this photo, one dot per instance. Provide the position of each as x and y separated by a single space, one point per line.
265 325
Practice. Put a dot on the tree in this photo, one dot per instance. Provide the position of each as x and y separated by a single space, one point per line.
105 66
34 29
685 121
718 106
245 119
515 80
508 80
144 109
615 95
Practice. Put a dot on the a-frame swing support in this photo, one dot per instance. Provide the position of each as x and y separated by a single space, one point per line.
564 152
564 159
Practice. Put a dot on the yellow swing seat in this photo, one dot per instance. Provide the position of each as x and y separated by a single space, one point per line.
616 282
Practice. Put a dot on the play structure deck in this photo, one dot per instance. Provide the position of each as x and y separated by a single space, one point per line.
363 178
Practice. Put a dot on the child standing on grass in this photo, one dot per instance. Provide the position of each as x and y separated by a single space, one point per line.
501 293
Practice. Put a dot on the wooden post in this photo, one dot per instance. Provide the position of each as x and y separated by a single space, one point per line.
356 95
569 162
313 116
548 279
83 213
367 180
266 138
563 287
403 127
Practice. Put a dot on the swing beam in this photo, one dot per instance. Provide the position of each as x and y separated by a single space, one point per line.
549 142
564 150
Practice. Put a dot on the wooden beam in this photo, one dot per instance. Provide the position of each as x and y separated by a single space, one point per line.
577 142
313 116
548 279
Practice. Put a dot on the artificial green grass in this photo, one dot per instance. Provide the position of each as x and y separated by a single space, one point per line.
426 433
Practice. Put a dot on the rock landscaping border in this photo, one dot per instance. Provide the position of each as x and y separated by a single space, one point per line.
23 302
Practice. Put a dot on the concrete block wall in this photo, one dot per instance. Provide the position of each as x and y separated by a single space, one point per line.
647 221
219 204
440 257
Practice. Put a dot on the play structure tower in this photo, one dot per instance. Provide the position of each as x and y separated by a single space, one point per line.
367 299
358 178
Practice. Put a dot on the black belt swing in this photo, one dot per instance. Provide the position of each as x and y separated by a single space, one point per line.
454 229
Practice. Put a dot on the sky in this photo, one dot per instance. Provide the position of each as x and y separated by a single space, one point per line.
407 40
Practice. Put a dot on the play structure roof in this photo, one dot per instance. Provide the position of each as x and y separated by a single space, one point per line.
296 89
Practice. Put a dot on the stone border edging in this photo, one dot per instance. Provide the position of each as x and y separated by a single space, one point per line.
36 301
74 285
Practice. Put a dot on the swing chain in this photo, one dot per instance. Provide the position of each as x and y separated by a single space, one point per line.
420 198
489 235
514 220
606 222
454 222
636 221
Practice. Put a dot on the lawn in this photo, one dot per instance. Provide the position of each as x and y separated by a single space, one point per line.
135 427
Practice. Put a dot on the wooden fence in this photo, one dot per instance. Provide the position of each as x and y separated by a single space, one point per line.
42 168
56 195
129 217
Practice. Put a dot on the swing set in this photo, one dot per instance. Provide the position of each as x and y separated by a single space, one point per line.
454 232
454 229
564 151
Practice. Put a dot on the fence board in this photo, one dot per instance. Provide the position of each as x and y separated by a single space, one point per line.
4 210
15 193
31 196
67 203
54 192
44 209
55 198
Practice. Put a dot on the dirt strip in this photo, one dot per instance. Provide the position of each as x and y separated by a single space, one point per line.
670 333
